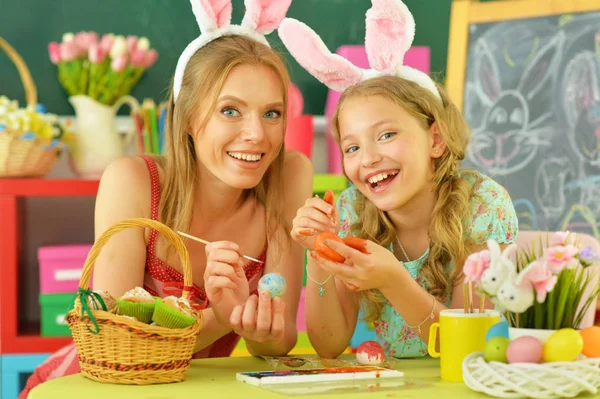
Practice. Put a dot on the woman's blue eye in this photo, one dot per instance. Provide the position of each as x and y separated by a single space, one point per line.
230 112
272 114
388 135
351 149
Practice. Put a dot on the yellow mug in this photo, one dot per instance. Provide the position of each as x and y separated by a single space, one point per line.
460 335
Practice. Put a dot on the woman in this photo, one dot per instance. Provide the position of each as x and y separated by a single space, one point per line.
225 178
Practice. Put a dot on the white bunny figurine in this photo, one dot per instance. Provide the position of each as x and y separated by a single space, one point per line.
500 267
516 298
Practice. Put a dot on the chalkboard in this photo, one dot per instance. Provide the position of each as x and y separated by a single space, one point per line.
531 95
29 25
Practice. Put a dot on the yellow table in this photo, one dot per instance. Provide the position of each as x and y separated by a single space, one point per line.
215 378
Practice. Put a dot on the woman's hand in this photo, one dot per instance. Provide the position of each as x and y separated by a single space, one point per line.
224 279
260 319
371 267
316 216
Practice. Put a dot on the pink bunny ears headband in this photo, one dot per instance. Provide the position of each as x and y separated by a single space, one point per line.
390 30
214 19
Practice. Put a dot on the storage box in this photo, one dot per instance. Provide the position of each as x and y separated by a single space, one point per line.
60 267
15 369
54 309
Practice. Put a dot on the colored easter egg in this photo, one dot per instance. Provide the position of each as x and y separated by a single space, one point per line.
370 352
591 341
497 330
41 108
563 346
2 127
325 251
274 283
495 349
525 349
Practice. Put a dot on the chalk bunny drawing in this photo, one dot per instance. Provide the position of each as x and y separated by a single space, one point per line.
581 105
509 139
550 182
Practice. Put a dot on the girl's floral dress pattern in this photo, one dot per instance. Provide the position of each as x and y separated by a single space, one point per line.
492 217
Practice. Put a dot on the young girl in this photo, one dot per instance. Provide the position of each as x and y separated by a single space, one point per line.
226 179
402 141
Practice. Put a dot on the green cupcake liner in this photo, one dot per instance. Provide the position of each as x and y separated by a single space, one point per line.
141 311
166 316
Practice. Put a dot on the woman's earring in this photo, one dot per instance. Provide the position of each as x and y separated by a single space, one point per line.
437 152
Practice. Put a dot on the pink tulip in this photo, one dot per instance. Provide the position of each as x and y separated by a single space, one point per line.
95 54
138 58
69 51
106 42
54 51
151 57
119 63
81 41
131 42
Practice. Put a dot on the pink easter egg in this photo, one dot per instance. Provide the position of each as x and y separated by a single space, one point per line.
524 349
370 352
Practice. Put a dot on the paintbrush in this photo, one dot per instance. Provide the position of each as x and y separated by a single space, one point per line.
207 242
481 303
470 297
465 298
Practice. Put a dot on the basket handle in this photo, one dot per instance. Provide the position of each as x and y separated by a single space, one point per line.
86 274
26 79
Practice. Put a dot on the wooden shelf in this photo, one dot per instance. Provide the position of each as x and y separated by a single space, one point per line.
48 187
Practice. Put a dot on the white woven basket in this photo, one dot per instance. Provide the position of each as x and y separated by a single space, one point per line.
528 380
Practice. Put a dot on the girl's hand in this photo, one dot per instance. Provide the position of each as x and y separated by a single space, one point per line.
372 267
316 216
260 319
224 279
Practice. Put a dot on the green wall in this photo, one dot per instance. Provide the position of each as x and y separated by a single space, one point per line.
29 25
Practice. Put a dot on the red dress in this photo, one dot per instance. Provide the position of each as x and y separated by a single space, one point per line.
157 273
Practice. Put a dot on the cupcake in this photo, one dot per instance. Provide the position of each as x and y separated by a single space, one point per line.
137 303
108 300
173 312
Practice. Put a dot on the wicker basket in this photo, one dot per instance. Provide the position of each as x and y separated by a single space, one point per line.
18 157
528 380
123 350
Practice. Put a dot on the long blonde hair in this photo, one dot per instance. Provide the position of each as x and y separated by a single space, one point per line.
203 80
453 192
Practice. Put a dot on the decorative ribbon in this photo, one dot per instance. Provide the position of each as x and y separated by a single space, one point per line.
96 300
177 288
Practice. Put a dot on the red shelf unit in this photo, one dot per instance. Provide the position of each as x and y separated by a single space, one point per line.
28 340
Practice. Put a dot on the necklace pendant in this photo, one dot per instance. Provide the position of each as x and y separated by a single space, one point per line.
321 290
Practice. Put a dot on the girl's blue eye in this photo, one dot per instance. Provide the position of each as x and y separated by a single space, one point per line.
272 114
230 112
351 149
388 135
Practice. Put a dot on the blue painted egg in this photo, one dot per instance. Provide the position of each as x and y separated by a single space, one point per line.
41 109
499 329
274 283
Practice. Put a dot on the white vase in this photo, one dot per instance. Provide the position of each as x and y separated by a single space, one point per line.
542 335
97 141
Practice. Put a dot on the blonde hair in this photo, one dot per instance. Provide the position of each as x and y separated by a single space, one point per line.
203 80
453 192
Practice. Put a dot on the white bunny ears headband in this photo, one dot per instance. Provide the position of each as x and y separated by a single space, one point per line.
390 30
214 19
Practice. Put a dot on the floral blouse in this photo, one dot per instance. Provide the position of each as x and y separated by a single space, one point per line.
492 217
